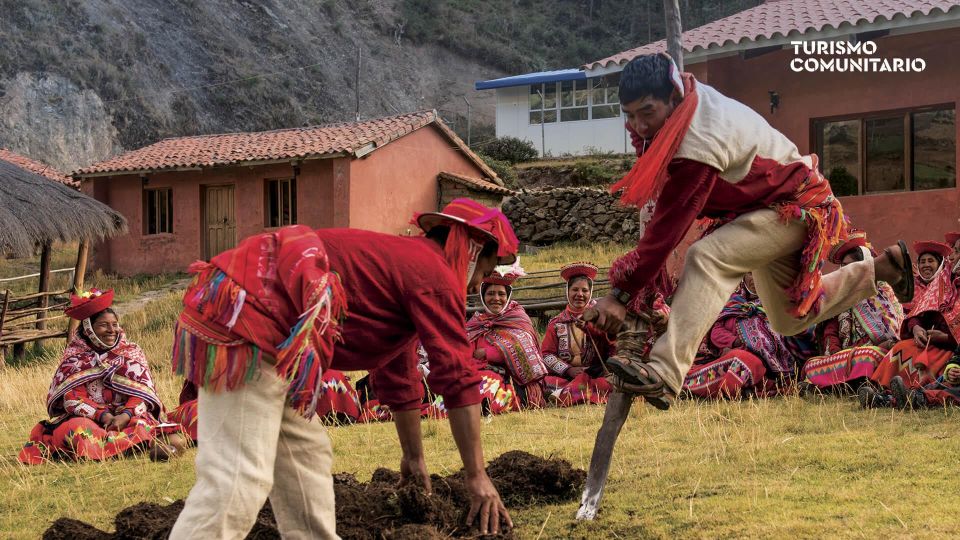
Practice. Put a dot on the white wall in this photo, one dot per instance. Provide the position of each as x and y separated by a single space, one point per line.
513 119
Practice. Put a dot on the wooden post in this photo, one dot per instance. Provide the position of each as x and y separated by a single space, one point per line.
78 273
44 301
3 316
671 15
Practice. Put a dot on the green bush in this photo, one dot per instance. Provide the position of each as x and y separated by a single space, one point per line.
510 149
842 182
503 169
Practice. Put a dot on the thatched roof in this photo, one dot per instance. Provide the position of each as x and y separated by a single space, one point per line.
35 210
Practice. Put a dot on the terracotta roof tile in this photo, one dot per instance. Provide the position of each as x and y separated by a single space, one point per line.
787 17
37 167
476 183
351 138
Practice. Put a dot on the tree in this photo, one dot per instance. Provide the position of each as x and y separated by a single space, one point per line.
671 15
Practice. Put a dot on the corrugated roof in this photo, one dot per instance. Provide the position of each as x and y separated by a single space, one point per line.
785 17
37 167
532 78
347 139
475 183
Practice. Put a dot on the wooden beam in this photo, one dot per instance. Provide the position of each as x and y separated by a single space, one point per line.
3 315
44 287
78 275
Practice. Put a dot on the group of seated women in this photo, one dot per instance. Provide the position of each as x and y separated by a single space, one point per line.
102 401
888 354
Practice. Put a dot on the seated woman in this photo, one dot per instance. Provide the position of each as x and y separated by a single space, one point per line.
855 341
928 264
928 335
742 355
505 341
574 353
102 400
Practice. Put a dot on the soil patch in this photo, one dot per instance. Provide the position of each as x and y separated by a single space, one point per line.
377 509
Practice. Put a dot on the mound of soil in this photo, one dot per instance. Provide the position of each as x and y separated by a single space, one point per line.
375 510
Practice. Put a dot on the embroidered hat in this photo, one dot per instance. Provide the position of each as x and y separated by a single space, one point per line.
579 269
855 239
499 279
952 238
88 304
489 222
929 246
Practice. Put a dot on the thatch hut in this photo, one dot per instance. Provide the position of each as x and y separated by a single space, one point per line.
36 211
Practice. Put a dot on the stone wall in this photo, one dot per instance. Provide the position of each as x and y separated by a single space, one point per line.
570 214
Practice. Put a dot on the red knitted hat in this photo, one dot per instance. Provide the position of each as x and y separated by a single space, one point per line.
489 222
88 304
579 269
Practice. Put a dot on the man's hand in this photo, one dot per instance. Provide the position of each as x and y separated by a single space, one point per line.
413 469
485 504
920 336
480 354
610 314
106 419
119 422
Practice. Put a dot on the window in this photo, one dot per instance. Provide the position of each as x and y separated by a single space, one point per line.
605 93
281 202
543 103
157 211
900 151
573 101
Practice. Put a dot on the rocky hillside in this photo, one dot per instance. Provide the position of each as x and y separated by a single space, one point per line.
82 80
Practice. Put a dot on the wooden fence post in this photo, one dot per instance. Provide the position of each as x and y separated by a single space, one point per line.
44 301
78 275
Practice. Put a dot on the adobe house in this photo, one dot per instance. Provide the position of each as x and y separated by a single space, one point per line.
190 198
886 139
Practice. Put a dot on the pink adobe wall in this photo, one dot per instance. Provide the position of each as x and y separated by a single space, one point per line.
886 217
390 184
138 253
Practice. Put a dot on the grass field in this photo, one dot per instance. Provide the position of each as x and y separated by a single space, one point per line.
712 470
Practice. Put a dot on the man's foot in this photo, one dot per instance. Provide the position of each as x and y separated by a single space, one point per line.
648 385
871 399
895 266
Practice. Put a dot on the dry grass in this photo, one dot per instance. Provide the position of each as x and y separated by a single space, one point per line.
707 470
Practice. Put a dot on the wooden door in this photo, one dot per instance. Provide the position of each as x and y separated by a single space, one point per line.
219 219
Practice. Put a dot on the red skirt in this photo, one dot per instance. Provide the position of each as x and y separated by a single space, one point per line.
77 438
916 366
731 375
842 367
581 389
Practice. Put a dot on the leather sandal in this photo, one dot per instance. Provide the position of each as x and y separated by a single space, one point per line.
637 379
903 289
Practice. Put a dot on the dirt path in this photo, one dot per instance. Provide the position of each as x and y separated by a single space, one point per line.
148 297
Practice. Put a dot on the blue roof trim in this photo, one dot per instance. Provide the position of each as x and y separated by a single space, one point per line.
533 78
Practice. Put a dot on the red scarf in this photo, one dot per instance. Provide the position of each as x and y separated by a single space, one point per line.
646 179
123 369
940 297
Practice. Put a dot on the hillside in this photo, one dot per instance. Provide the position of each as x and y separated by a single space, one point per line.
83 80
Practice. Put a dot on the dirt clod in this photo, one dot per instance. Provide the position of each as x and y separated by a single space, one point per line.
375 510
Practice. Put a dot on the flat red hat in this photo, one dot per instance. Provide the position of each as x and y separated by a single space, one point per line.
855 239
579 269
88 304
497 279
952 238
489 222
930 246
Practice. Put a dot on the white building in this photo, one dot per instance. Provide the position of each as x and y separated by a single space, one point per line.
561 112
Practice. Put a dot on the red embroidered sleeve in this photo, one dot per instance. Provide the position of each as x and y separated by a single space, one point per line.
77 402
683 198
550 347
135 406
724 335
